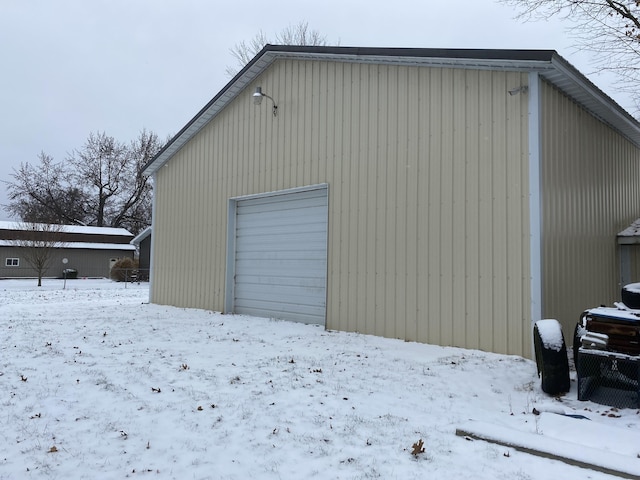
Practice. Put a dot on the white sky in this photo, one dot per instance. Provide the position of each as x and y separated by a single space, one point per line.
72 67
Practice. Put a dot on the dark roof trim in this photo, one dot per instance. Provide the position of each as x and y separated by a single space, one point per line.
399 52
551 66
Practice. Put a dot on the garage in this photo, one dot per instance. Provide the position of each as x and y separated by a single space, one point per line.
277 255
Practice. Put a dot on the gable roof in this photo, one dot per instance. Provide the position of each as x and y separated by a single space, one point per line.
550 66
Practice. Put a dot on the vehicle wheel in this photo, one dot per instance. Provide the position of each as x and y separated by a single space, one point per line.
631 295
551 357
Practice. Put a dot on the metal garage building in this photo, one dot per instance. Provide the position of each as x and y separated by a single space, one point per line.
466 194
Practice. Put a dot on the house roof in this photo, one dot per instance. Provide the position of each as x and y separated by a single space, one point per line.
81 245
18 226
550 66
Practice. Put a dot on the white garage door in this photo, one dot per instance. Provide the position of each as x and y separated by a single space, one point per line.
281 256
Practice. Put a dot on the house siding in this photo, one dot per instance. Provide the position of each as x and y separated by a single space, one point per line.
428 197
591 191
88 263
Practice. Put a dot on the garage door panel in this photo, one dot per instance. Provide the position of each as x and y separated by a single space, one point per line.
280 256
306 316
292 241
288 268
276 231
255 249
292 201
242 281
297 295
291 208
251 223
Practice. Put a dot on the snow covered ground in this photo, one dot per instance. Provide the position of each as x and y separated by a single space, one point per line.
97 383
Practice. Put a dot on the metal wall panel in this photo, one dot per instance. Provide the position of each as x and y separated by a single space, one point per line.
428 207
591 191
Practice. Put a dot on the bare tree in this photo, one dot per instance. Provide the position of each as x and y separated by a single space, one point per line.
101 167
100 184
37 242
609 28
132 210
42 194
299 34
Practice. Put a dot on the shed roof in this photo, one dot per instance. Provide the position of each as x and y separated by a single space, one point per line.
548 63
141 236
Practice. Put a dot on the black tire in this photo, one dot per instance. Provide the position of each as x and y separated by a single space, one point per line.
631 296
553 364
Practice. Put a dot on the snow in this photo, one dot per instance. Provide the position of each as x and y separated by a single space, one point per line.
97 383
618 313
82 245
632 287
632 230
8 225
550 334
625 465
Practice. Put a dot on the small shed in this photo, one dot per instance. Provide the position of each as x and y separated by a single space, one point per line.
91 251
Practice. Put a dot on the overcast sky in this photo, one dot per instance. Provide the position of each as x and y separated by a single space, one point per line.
71 67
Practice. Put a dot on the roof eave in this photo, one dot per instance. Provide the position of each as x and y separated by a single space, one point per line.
141 236
568 79
231 90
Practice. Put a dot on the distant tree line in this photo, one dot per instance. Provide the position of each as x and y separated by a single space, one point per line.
100 184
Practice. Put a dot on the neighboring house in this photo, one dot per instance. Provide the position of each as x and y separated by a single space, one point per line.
89 250
443 196
142 242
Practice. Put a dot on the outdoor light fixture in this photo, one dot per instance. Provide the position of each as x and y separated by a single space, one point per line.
257 99
520 89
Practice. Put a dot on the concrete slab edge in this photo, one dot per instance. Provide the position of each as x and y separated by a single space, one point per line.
553 449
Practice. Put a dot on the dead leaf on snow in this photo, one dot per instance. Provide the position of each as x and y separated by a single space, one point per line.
418 448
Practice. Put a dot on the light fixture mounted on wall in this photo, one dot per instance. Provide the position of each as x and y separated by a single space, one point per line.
518 90
257 99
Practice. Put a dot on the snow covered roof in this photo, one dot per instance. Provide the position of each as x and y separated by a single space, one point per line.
547 63
6 225
631 234
85 245
632 230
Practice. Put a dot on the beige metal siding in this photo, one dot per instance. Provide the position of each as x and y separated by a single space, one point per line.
591 191
428 197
